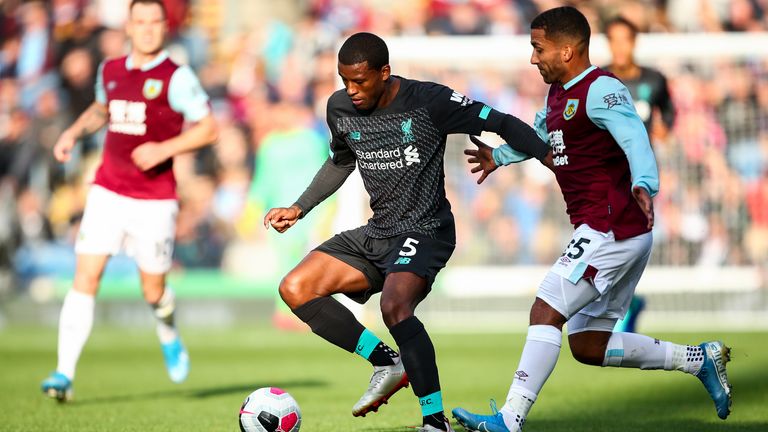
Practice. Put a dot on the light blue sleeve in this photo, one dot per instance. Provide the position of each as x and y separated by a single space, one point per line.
101 93
186 96
505 154
610 107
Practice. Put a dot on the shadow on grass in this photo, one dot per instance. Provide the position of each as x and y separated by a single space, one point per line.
197 393
393 429
668 408
641 425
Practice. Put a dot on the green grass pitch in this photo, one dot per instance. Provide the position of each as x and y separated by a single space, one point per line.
122 386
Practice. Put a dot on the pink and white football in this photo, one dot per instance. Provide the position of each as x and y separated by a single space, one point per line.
270 409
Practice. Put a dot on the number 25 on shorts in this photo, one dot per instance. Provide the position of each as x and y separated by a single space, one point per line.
409 250
576 248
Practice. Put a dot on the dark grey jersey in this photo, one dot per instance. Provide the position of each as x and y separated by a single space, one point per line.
399 151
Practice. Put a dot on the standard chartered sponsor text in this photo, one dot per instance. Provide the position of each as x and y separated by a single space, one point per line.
372 160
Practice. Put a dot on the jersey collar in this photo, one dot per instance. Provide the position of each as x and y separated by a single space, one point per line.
578 77
161 56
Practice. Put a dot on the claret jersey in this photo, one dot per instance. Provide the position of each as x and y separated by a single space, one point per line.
144 104
600 152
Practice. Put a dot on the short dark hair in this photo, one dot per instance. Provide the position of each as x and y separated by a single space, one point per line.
620 20
364 47
149 2
565 21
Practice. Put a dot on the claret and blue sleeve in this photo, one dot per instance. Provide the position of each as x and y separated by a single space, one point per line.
610 107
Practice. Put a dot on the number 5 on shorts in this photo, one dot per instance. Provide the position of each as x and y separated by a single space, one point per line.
409 248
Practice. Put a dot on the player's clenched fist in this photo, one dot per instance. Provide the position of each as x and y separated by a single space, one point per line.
62 151
282 218
149 155
645 202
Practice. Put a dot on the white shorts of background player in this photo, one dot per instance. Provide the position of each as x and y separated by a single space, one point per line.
143 229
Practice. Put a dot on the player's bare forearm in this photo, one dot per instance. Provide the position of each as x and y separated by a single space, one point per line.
203 133
90 121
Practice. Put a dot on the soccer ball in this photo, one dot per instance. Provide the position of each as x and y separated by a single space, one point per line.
269 409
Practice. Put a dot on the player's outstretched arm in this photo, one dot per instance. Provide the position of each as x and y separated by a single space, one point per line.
91 120
488 158
282 218
151 154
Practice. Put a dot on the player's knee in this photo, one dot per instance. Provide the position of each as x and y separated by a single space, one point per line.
588 355
394 311
294 290
86 284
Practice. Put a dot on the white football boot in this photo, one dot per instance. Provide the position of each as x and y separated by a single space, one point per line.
385 381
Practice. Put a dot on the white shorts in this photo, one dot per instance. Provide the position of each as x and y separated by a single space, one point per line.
592 283
143 229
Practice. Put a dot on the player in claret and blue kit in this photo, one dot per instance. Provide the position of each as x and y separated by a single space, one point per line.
606 169
144 99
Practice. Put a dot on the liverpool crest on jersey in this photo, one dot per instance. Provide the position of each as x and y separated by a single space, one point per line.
152 88
570 108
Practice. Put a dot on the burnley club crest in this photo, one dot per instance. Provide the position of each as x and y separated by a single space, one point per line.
152 88
570 108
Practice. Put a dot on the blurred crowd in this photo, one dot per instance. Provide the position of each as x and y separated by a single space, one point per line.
269 82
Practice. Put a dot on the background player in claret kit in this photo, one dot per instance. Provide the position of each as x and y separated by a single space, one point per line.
607 172
395 130
144 100
649 91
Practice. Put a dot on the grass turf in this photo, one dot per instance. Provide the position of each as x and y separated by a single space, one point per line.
122 386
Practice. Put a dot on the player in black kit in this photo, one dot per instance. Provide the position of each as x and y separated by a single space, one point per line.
394 129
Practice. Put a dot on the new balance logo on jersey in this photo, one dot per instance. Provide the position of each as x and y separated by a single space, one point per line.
403 260
411 155
355 135
558 148
461 99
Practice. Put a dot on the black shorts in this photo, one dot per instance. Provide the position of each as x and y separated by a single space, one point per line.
409 252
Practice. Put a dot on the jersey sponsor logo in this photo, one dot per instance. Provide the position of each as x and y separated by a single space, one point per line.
398 158
127 117
570 108
461 99
406 126
355 135
402 260
558 148
152 88
411 155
